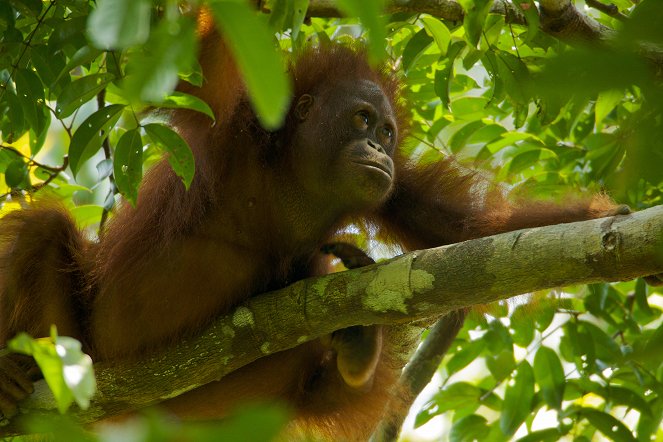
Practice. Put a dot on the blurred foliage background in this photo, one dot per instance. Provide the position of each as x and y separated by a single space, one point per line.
491 87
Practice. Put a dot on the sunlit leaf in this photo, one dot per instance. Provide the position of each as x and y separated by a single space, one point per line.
87 215
606 102
415 47
444 73
465 356
66 369
549 374
439 32
469 428
476 12
612 428
517 399
522 324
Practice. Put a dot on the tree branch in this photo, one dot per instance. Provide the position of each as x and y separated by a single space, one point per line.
558 17
423 284
418 373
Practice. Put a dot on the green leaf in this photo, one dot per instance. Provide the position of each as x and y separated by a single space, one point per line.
77 370
439 31
547 435
180 157
152 73
371 14
629 398
522 324
181 100
15 114
606 348
458 140
469 108
584 126
644 23
128 164
470 351
549 374
90 134
476 12
259 63
502 364
87 215
444 73
415 46
48 64
278 16
582 73
544 314
458 395
67 370
641 298
510 139
82 57
524 160
7 19
608 425
241 424
80 91
528 8
605 103
28 7
518 399
30 92
492 29
486 134
469 429
298 16
118 24
16 174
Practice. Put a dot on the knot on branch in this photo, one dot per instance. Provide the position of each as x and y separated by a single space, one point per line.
610 240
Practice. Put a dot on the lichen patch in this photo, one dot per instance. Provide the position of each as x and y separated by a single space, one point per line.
390 287
243 317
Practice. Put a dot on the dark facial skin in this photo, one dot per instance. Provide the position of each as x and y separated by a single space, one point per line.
348 137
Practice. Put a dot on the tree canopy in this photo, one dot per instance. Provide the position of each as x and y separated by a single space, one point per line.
545 95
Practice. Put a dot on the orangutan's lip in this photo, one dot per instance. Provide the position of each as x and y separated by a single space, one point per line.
375 165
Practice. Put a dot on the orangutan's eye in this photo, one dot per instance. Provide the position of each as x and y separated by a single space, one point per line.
361 119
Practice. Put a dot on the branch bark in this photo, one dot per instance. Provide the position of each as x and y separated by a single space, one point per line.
558 17
418 285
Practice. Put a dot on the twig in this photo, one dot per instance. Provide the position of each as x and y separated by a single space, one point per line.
418 373
101 102
612 10
30 160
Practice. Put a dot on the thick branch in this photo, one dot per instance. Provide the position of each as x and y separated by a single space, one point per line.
558 17
423 284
